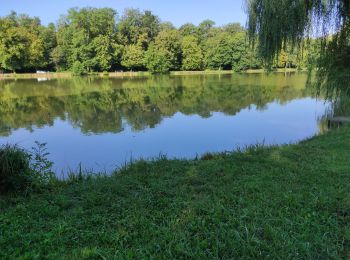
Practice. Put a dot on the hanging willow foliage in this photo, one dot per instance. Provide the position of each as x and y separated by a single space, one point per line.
275 23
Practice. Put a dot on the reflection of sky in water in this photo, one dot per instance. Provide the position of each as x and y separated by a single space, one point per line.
177 136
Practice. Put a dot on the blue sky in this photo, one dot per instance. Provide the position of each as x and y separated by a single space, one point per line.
176 11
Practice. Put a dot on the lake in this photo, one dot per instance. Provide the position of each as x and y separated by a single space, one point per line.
101 123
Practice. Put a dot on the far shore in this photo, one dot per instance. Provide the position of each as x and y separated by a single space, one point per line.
122 74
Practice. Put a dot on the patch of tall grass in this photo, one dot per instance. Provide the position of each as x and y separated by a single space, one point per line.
22 170
15 170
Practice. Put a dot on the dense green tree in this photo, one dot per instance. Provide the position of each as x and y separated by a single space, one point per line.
165 26
103 53
58 57
129 26
242 57
168 42
133 57
21 45
311 54
218 52
230 51
150 25
204 29
233 28
14 47
188 29
192 56
156 60
80 33
117 56
36 52
48 36
134 23
288 59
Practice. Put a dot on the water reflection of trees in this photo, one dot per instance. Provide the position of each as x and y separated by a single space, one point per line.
102 105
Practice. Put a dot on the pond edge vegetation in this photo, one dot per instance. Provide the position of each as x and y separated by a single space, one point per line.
25 171
131 74
289 184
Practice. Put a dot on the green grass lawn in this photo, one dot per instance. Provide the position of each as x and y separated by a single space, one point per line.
281 202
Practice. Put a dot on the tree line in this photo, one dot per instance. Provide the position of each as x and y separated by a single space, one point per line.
97 39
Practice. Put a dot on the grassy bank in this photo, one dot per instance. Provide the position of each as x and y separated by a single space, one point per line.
52 75
280 202
49 75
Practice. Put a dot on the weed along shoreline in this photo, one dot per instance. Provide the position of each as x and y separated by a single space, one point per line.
288 201
126 74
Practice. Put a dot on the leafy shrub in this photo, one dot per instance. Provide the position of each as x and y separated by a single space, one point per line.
22 170
15 171
41 166
78 69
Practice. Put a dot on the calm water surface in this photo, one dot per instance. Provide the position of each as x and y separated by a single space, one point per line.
101 123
